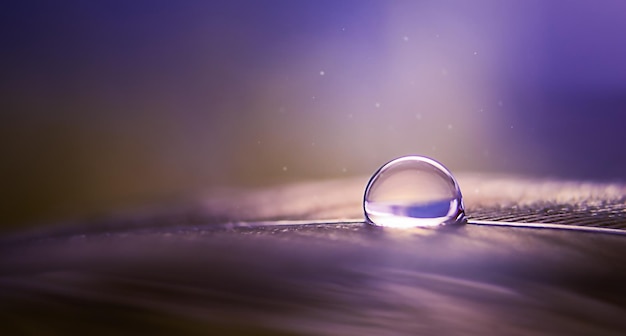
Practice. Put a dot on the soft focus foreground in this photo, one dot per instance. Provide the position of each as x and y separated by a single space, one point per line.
211 271
113 104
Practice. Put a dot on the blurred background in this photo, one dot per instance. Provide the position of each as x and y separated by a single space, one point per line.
109 105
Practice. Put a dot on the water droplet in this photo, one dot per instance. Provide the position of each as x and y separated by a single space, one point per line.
413 191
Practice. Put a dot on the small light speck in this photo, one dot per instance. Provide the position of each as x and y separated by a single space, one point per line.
475 52
258 142
313 97
511 126
284 168
350 116
344 170
418 116
444 71
313 144
377 105
449 126
405 38
322 73
500 103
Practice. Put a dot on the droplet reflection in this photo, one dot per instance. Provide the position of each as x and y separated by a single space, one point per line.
413 191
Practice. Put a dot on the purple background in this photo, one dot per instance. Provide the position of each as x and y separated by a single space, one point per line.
114 104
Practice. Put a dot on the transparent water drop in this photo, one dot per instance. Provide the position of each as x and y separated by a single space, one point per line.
413 191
